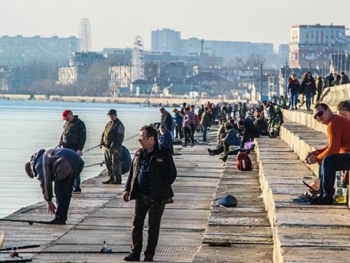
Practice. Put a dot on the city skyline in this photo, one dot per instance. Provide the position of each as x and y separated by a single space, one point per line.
116 24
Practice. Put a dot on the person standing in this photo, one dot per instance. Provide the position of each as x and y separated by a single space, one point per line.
333 157
205 122
73 137
149 183
293 88
319 87
166 119
308 88
61 166
186 126
112 139
178 123
165 140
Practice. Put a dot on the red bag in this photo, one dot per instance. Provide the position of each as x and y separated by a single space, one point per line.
243 162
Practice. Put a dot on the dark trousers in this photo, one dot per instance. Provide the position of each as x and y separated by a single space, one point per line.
144 205
330 165
193 128
178 131
113 165
63 192
188 135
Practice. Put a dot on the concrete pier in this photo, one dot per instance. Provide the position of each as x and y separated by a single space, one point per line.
265 226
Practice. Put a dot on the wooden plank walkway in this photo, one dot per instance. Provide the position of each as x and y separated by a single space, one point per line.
193 230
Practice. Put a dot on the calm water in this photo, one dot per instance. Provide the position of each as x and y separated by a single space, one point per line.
27 126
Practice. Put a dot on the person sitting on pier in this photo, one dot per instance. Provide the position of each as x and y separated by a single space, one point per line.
61 166
335 156
231 139
248 131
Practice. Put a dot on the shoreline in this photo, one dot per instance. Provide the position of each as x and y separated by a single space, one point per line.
152 101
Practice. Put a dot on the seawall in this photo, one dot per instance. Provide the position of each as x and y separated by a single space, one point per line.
153 101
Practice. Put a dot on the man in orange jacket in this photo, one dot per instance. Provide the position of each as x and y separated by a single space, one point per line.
335 156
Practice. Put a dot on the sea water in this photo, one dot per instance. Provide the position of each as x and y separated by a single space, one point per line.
28 126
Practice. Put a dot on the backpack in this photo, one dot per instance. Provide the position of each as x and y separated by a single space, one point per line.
243 162
125 160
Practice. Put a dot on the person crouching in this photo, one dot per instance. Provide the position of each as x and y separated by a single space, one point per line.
61 166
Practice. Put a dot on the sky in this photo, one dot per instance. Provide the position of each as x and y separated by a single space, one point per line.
116 23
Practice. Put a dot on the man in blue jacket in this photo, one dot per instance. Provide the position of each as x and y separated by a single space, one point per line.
149 183
61 166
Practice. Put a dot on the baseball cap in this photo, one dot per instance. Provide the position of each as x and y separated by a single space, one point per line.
65 114
112 112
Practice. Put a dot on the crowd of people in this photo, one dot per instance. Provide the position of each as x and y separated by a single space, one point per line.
152 171
311 89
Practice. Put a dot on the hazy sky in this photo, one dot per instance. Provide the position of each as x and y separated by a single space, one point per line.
115 23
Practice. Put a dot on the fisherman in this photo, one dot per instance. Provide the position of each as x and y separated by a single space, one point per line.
61 166
112 139
73 137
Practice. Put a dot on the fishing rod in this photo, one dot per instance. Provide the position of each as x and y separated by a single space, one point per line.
99 145
100 164
131 137
30 222
18 248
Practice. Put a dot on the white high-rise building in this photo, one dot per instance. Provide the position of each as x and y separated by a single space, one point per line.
85 35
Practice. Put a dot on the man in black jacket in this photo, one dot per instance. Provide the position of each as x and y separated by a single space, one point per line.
57 165
152 173
73 137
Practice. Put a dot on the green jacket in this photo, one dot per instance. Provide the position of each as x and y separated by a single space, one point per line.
113 134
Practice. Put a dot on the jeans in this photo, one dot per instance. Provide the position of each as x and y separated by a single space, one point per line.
144 205
294 99
330 165
308 97
205 128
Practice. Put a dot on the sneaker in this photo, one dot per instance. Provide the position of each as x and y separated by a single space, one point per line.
322 200
132 257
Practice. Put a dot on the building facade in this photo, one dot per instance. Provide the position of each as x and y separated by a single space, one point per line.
19 50
170 41
166 40
311 46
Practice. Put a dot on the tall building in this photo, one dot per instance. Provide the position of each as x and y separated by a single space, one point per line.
311 46
85 35
19 50
166 40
